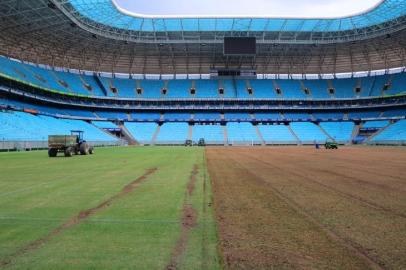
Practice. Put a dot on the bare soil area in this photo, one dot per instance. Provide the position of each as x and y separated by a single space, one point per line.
302 208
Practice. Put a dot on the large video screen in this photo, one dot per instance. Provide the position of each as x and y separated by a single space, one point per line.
240 46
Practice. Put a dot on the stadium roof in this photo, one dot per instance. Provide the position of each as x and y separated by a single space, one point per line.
109 12
245 9
109 18
94 35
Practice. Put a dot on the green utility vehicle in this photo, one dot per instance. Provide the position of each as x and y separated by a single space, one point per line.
68 144
201 142
331 145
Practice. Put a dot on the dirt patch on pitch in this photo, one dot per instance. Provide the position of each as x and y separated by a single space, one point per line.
83 215
192 180
297 208
189 221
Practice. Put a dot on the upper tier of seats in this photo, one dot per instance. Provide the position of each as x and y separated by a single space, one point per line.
72 83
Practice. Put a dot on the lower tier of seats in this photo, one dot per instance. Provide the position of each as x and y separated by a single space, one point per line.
20 126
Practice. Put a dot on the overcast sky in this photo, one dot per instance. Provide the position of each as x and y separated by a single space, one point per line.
259 8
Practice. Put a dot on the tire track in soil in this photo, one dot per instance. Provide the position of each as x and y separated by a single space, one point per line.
363 169
189 221
360 166
83 215
350 245
365 202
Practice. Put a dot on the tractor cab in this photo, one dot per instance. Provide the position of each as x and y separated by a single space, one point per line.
79 136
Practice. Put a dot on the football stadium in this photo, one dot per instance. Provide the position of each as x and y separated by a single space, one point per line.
202 135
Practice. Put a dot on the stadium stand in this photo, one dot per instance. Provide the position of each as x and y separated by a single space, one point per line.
277 134
206 116
263 89
328 116
177 116
146 116
212 134
297 116
66 82
125 88
393 133
173 133
267 116
395 113
291 89
362 115
317 88
308 132
236 116
242 133
18 126
179 89
344 88
338 131
242 89
375 124
397 85
112 115
142 132
207 89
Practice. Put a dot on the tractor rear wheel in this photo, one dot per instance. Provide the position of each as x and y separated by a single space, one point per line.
52 152
84 149
68 152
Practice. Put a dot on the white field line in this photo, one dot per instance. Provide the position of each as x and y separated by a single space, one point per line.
5 219
98 220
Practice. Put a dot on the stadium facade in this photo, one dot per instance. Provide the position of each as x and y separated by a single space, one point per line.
127 79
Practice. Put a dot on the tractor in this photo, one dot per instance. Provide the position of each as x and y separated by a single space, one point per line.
188 143
68 144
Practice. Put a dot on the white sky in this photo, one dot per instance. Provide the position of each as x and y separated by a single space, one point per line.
247 8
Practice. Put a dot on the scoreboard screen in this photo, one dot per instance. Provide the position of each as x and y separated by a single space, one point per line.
240 45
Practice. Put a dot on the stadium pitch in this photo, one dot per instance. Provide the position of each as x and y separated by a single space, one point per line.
123 208
196 208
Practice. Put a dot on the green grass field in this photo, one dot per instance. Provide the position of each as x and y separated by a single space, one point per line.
136 230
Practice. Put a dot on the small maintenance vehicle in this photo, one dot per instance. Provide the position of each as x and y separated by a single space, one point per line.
201 142
69 144
331 145
188 143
